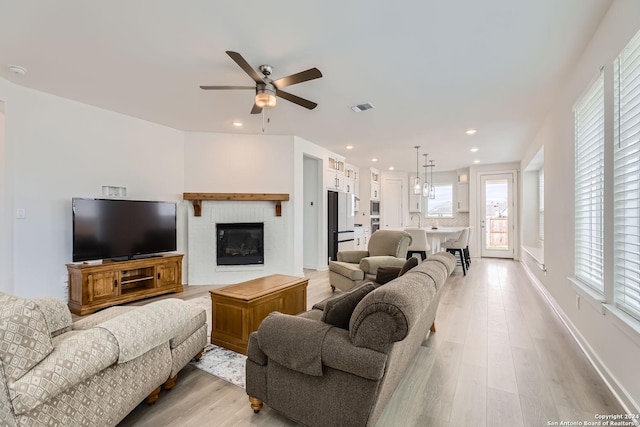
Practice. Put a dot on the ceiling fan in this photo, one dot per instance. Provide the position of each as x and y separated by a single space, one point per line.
266 89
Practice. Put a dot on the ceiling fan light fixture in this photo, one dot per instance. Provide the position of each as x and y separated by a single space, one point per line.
265 99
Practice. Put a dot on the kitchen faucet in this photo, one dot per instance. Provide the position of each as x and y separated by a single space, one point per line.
411 218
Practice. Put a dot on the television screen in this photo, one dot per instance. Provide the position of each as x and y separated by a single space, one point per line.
106 228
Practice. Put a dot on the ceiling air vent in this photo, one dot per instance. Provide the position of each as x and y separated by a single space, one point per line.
361 107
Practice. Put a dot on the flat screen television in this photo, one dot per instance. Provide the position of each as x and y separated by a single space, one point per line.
122 229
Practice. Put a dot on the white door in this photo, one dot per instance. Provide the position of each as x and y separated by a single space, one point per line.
391 204
497 215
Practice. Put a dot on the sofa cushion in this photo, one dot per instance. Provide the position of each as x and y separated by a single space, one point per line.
56 313
101 316
24 336
198 317
389 242
411 262
337 311
387 274
77 356
138 331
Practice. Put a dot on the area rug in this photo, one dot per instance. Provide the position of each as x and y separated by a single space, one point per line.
219 361
223 363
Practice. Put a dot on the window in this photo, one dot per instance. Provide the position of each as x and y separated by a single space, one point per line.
589 186
541 204
626 179
442 205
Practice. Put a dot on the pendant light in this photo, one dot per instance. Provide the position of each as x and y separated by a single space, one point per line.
432 190
416 180
425 185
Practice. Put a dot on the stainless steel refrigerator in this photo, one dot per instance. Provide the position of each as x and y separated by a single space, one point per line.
341 216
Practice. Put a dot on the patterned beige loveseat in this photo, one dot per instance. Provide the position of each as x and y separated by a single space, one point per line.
95 371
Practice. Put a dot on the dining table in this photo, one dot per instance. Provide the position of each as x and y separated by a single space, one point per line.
437 235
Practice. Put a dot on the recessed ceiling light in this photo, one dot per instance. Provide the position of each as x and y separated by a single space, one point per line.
349 147
391 168
476 161
237 124
470 131
474 150
374 160
16 69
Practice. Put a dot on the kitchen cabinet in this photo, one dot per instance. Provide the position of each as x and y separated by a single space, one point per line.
463 191
375 184
361 238
335 178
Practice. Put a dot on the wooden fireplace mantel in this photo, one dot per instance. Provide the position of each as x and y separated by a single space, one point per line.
197 198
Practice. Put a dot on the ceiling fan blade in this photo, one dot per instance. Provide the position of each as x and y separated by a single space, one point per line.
226 87
303 76
245 66
296 99
256 109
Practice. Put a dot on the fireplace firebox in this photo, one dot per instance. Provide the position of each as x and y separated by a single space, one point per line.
240 243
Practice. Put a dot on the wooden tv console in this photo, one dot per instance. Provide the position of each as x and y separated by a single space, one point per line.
96 286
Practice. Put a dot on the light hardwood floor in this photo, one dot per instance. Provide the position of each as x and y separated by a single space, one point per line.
500 357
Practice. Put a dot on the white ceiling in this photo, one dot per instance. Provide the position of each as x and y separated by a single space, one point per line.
431 68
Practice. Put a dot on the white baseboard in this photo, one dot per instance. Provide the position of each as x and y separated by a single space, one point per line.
614 386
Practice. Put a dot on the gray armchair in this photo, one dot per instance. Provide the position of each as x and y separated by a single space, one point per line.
387 248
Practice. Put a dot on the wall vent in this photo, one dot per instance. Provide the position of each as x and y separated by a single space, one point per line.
361 107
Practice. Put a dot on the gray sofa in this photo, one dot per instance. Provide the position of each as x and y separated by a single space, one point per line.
321 375
93 372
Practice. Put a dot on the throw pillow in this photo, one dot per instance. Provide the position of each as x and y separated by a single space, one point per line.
411 262
386 274
337 311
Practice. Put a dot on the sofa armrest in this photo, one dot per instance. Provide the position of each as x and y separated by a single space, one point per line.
335 351
254 352
370 264
293 341
352 257
76 357
339 353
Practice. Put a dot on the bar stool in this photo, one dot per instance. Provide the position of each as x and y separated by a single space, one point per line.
419 243
467 257
458 245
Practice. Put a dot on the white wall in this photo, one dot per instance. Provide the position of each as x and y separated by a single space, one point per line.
615 348
59 149
6 228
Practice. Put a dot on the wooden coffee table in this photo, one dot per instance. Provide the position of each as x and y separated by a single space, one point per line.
238 310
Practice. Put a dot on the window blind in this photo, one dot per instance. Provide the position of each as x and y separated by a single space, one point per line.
589 186
626 179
